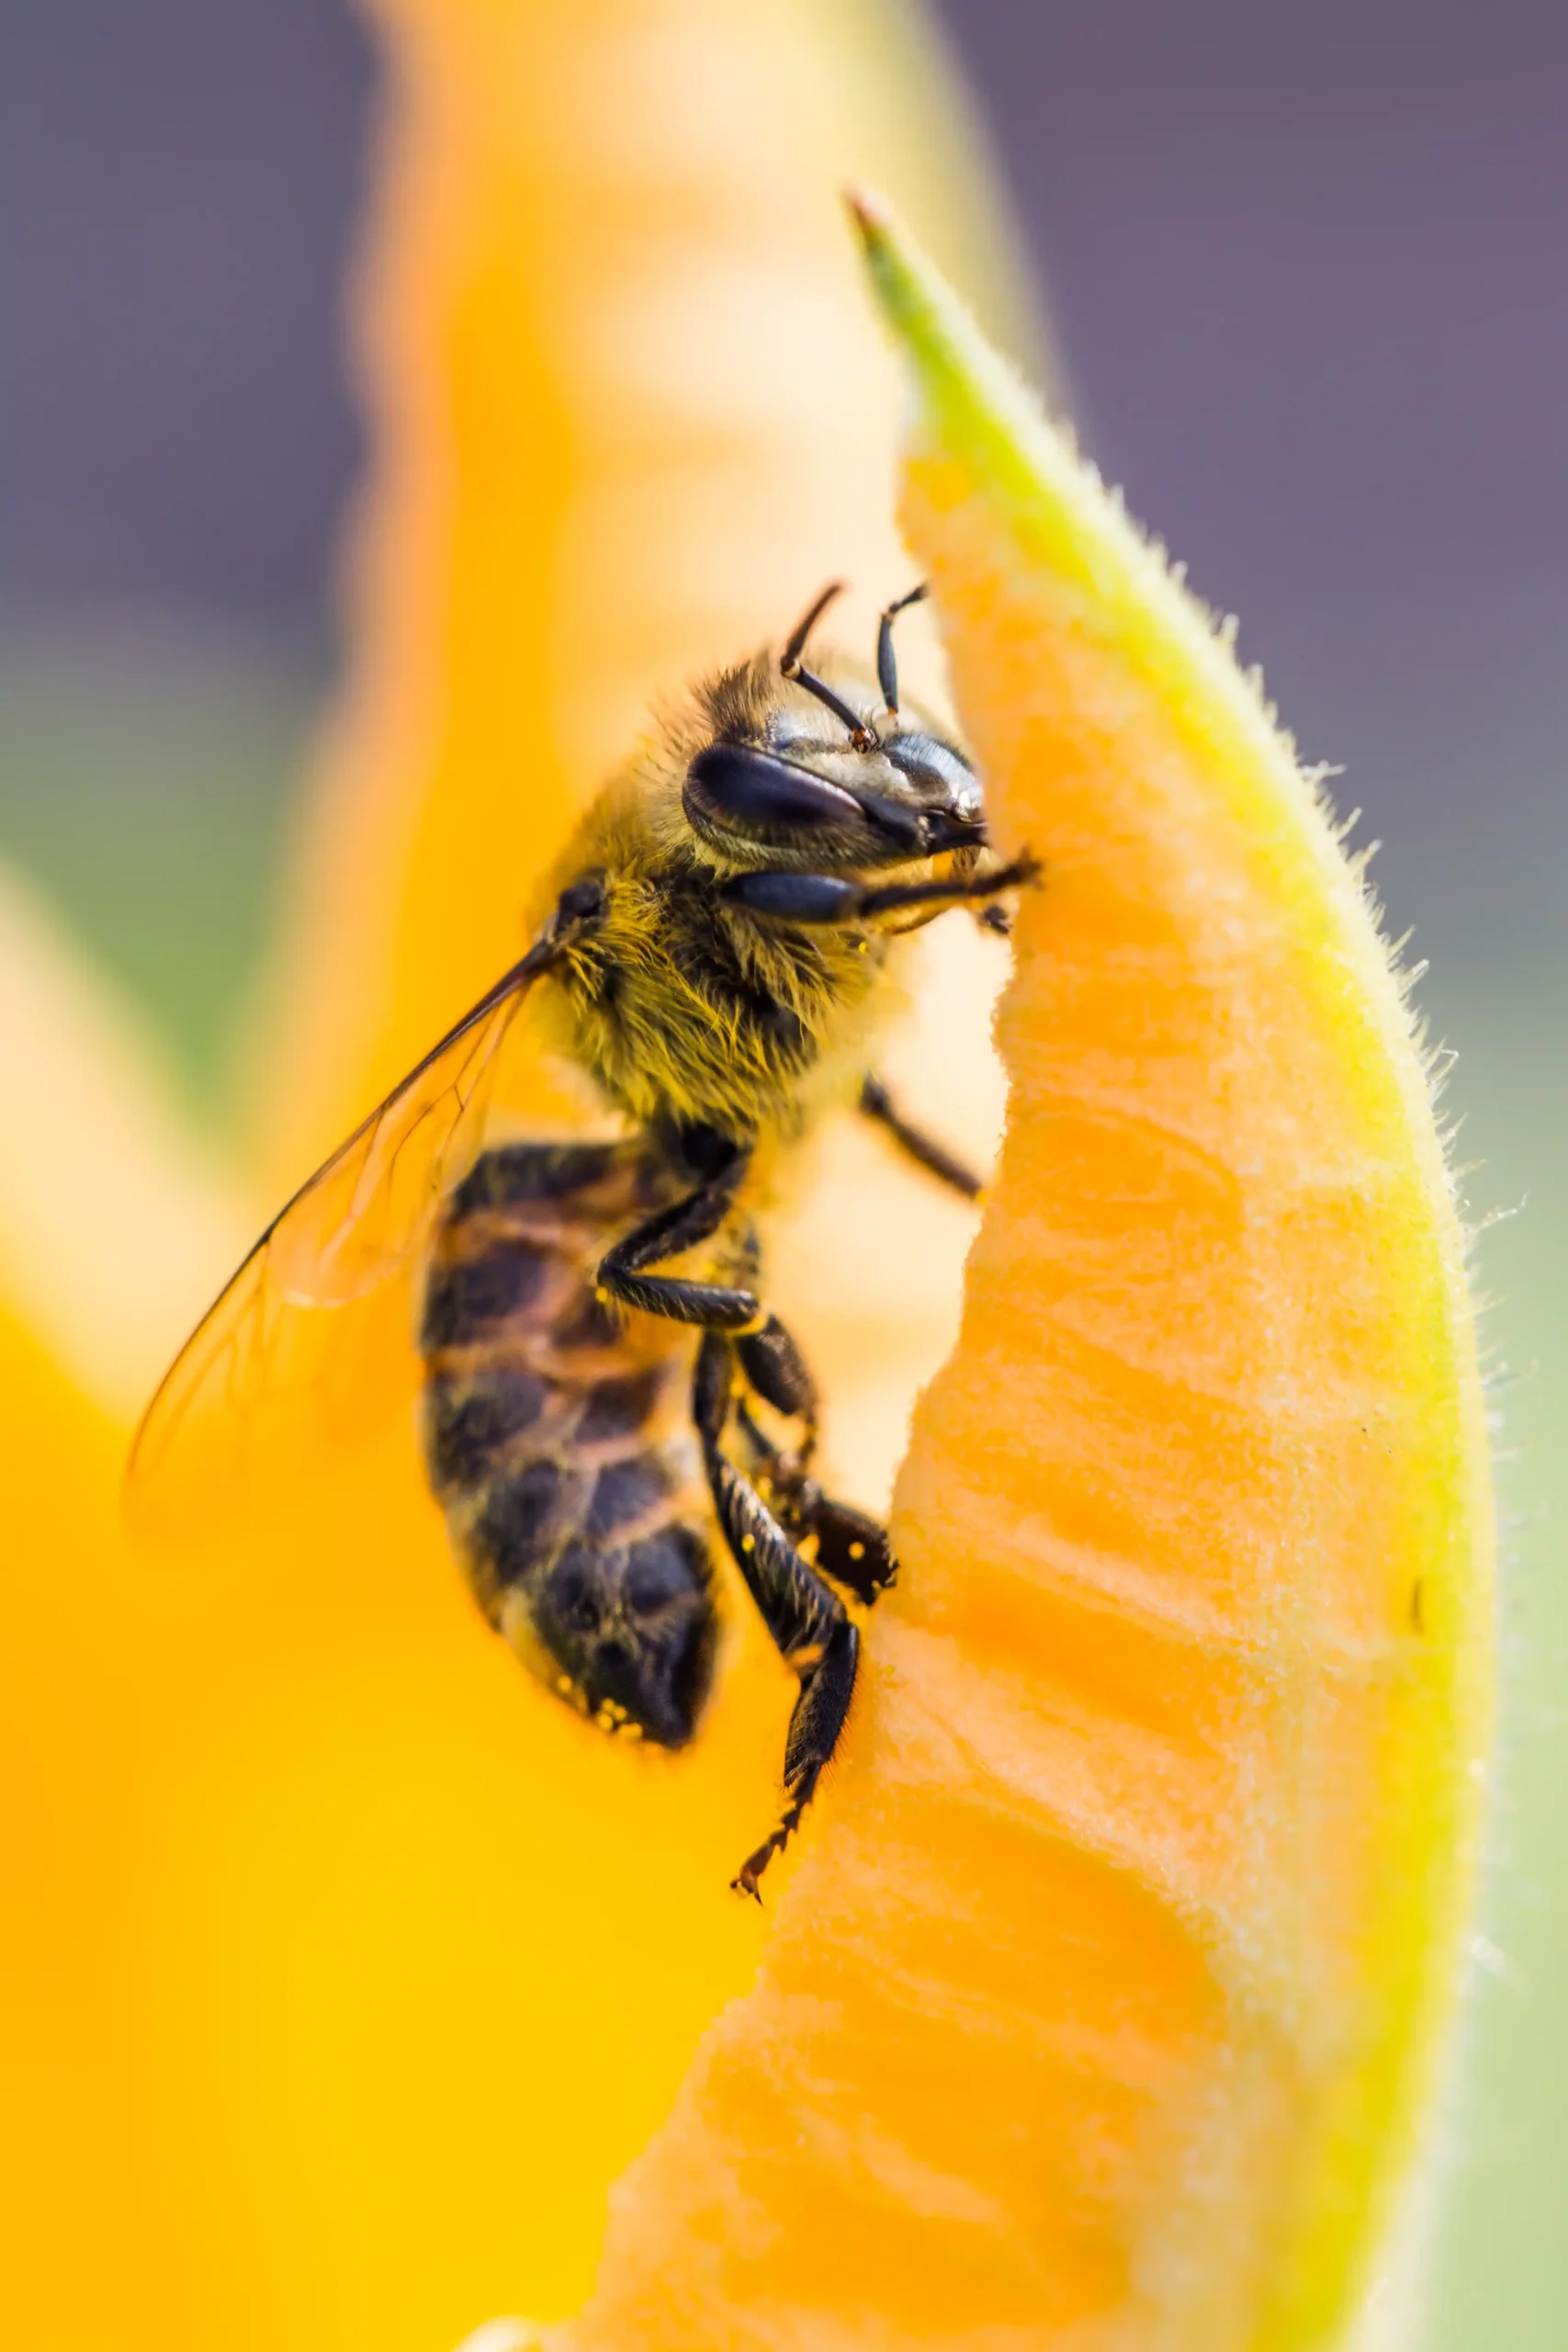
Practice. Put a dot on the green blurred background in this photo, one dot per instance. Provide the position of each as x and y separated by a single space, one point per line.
1307 270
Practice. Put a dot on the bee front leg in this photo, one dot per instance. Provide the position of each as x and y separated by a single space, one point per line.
805 1618
831 900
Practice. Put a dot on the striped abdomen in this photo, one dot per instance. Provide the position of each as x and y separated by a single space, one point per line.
557 1436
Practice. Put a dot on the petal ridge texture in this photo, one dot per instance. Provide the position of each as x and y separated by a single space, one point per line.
1106 2003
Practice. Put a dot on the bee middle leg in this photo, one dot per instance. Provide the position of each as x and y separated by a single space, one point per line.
851 1548
769 1357
722 1307
805 1618
773 1365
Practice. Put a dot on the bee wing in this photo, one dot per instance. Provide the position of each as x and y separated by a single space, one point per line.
311 1339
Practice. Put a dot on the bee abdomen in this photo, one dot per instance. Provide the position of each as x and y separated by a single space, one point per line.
464 1297
546 1420
520 1512
470 1422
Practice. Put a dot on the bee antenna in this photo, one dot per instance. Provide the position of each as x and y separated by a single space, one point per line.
789 660
886 668
863 737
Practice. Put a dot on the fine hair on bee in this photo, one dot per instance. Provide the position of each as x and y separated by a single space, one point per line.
605 1388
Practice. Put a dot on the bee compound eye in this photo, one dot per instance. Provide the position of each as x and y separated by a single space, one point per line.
732 788
905 829
941 770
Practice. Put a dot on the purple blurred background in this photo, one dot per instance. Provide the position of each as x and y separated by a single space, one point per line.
1307 265
1307 272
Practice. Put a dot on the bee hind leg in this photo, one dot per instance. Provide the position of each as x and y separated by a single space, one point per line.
805 1618
851 1546
814 1729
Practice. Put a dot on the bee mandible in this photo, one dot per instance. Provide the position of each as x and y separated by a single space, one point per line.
602 1382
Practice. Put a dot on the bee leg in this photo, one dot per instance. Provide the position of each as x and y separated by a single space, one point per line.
852 1548
970 889
777 1371
878 1104
832 901
827 1686
774 1368
805 1618
771 1361
720 1307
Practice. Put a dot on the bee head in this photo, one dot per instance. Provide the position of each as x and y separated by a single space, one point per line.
823 780
629 1634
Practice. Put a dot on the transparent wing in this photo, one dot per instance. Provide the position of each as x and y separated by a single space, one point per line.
311 1341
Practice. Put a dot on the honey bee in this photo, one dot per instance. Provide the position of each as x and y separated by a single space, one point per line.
604 1386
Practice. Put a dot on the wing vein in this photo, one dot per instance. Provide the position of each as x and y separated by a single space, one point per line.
352 1227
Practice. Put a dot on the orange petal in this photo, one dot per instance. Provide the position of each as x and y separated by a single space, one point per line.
1106 2005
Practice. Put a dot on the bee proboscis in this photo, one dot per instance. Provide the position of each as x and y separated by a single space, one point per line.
715 952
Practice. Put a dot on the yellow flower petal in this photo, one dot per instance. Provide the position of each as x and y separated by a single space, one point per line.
340 1968
1105 2006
